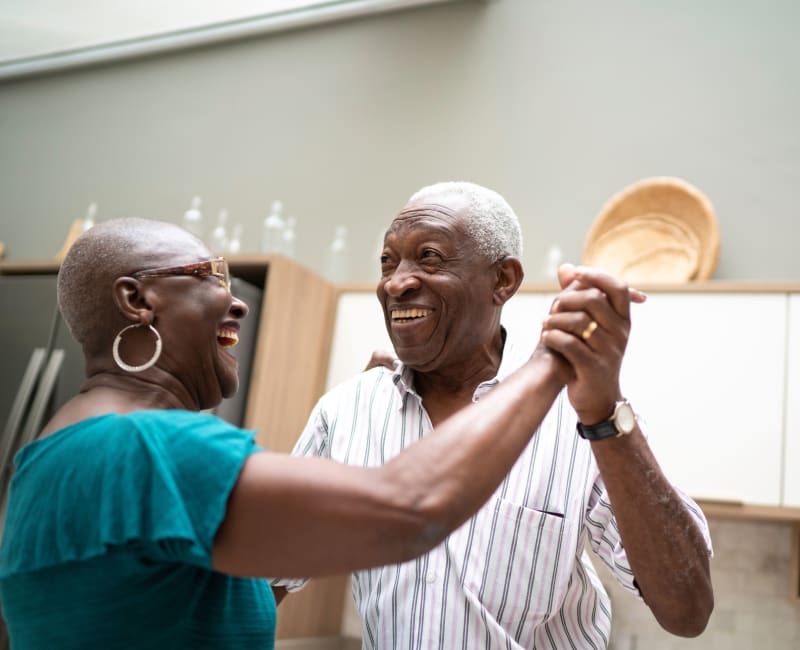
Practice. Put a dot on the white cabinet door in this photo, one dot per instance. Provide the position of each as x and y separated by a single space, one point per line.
523 315
706 371
359 330
791 493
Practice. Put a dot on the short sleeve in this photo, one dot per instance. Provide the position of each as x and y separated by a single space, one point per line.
150 479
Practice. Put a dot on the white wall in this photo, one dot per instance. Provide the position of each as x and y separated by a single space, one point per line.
556 104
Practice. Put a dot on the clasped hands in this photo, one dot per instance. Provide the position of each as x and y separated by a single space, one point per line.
588 326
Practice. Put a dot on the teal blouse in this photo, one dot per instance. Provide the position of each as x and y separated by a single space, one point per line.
108 538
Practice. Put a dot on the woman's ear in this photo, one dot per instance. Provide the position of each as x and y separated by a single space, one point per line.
130 300
509 277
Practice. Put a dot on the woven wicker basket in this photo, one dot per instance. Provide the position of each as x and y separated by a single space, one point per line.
659 229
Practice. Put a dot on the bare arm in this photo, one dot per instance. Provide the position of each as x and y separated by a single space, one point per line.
307 517
665 548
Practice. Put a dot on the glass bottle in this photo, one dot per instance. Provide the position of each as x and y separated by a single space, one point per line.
272 230
88 220
219 236
289 237
552 262
235 242
193 218
337 262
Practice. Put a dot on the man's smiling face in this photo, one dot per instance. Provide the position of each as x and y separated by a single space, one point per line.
435 288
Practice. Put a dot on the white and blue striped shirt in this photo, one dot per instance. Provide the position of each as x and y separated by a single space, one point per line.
515 575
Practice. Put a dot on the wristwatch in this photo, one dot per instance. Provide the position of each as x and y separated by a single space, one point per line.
621 423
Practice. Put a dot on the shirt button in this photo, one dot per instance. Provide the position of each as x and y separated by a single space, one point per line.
431 577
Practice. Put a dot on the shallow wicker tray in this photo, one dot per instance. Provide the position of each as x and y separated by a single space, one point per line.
659 229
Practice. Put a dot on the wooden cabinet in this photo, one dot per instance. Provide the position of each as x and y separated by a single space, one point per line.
287 378
791 480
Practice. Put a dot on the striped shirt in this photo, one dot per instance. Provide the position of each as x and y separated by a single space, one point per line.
516 575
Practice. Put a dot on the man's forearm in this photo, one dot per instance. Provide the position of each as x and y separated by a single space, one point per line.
666 549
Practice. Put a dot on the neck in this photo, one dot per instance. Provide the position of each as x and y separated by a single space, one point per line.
456 383
128 392
101 395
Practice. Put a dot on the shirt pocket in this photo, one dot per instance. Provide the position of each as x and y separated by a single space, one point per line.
518 563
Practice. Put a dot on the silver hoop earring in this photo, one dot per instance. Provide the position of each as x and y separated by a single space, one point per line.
149 363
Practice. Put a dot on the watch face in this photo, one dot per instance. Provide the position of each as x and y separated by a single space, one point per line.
624 418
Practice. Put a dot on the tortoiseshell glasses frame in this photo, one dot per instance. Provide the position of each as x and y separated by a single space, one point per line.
218 267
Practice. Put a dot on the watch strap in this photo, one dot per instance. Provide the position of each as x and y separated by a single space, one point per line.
598 431
621 422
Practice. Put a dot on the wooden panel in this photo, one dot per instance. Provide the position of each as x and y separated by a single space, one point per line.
791 481
315 611
746 512
288 376
291 357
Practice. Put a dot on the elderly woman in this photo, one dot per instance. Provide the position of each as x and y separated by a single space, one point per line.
135 521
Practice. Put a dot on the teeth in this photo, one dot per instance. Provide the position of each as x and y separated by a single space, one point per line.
409 313
227 337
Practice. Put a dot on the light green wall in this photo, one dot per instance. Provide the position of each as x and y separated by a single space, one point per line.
556 104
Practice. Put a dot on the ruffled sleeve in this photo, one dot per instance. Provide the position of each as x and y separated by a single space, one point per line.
157 480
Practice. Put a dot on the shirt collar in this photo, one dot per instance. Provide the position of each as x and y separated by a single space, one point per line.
514 356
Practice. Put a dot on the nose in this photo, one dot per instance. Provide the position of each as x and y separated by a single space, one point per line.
401 280
238 308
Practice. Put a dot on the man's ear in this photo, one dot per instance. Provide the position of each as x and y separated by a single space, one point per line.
509 277
131 302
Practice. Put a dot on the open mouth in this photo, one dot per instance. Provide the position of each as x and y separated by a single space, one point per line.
227 337
408 315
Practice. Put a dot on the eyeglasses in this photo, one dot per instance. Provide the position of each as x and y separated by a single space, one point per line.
217 267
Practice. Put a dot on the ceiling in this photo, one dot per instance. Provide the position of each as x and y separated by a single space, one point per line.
33 27
42 34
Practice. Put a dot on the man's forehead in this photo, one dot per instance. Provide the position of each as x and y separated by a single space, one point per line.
433 212
429 222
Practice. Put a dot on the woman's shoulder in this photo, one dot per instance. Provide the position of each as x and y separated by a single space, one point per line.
118 430
153 419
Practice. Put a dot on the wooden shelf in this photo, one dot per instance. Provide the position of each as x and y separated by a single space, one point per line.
743 511
248 267
710 286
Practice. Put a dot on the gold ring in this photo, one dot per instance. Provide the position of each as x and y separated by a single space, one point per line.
590 328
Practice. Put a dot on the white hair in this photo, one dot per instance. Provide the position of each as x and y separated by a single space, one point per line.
490 222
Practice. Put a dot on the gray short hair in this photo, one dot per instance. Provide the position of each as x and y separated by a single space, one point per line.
98 257
491 223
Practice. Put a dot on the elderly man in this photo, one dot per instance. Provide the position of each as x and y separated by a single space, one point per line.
516 575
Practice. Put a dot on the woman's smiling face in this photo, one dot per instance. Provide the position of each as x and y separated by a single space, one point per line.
198 319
